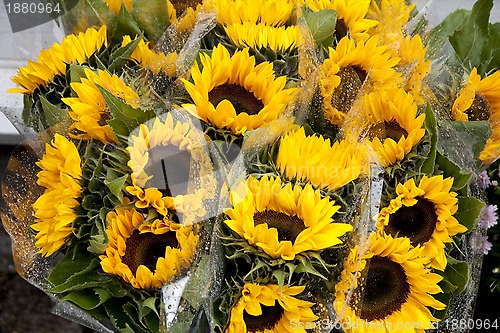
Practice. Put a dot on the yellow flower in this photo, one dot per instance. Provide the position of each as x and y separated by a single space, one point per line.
392 15
156 62
90 111
351 66
286 220
54 209
146 254
313 159
392 286
268 12
54 61
391 125
261 35
480 100
267 308
232 92
164 160
351 16
424 214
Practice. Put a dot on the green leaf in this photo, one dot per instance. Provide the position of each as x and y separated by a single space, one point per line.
53 114
126 118
82 281
468 211
119 57
450 169
444 298
87 299
280 277
474 134
471 39
490 55
125 25
115 186
152 17
321 23
77 72
306 266
456 273
72 265
427 166
440 34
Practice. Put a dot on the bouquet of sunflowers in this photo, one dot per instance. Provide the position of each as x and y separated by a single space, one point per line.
257 166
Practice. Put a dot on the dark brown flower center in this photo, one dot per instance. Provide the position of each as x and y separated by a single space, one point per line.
243 100
479 110
385 130
416 222
351 81
270 316
385 290
169 168
180 6
103 118
146 248
289 227
340 29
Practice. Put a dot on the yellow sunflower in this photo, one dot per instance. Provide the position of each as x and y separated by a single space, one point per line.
351 16
424 214
286 220
261 35
313 159
54 209
479 100
146 254
351 66
164 159
52 62
392 15
268 12
232 92
392 287
391 125
147 58
90 111
267 308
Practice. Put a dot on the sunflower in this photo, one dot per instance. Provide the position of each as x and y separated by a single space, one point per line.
54 61
351 16
54 209
392 286
480 100
90 111
286 220
261 35
164 160
392 15
147 58
313 159
391 125
351 66
424 214
269 308
146 254
232 92
268 12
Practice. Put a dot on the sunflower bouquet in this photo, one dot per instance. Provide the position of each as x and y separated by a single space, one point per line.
265 166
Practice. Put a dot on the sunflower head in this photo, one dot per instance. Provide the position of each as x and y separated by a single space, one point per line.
391 285
269 308
313 159
54 213
424 214
233 92
171 168
146 254
284 220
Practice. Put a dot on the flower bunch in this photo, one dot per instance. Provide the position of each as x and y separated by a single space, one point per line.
265 166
